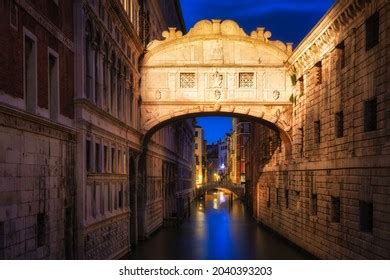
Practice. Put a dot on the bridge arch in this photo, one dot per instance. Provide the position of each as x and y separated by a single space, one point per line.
238 190
217 69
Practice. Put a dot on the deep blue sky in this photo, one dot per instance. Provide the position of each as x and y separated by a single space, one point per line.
288 20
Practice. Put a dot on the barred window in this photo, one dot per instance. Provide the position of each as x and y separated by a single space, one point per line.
317 132
41 229
339 124
370 115
313 204
335 209
318 72
366 216
246 80
372 31
341 54
286 192
187 80
301 85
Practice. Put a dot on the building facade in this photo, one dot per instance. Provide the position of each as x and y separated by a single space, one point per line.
223 163
327 190
241 129
212 163
200 156
77 181
38 138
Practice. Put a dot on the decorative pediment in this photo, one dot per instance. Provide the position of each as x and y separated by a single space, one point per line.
216 28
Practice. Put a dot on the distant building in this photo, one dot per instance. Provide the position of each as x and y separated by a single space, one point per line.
200 156
212 163
238 139
223 163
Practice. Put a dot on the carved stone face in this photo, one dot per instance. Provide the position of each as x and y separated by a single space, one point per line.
158 94
217 94
276 94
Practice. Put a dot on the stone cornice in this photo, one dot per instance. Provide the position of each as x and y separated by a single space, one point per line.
18 119
324 36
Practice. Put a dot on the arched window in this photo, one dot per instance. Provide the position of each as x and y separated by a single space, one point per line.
113 79
119 102
105 82
88 76
97 69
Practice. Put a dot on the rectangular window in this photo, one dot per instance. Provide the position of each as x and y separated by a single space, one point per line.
301 130
113 160
102 200
121 197
318 72
41 229
30 73
286 193
115 198
313 204
196 134
317 132
335 209
93 201
268 197
341 55
187 80
372 31
105 154
13 15
53 87
246 80
301 85
366 216
88 155
196 146
339 124
277 197
109 198
98 165
124 162
119 161
370 115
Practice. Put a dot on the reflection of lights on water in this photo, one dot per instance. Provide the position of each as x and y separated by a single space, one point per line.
222 198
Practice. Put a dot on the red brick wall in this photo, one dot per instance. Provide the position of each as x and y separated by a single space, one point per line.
11 51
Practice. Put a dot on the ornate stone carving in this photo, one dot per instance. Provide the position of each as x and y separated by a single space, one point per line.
276 94
158 94
217 79
217 94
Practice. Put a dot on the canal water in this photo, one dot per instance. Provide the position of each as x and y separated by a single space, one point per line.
216 229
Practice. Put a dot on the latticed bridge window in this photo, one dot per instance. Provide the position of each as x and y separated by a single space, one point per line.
246 80
187 80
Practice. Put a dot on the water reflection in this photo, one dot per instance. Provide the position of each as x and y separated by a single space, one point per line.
219 228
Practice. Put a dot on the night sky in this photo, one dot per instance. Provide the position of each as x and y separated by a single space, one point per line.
288 20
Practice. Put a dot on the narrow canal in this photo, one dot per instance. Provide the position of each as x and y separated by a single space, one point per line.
217 229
